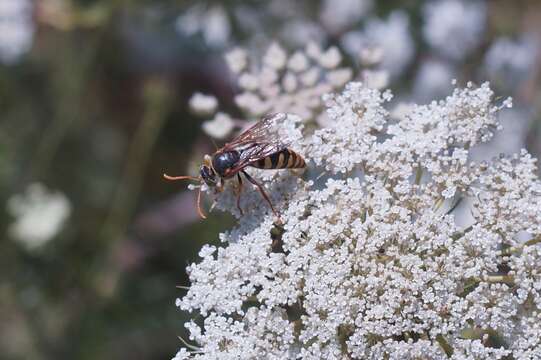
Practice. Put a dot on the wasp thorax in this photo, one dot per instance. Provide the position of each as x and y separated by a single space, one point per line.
224 161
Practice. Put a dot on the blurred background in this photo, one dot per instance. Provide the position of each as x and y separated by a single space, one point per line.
95 105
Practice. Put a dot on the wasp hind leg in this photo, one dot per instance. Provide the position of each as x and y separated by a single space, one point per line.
262 191
238 191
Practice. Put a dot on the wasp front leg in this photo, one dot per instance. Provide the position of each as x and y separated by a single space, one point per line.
262 191
219 186
238 190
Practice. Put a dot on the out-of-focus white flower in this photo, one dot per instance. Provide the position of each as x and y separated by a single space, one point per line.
375 79
203 104
236 60
392 37
288 83
454 27
16 29
338 15
330 58
219 127
275 57
433 80
298 62
338 78
511 61
212 23
506 54
371 263
371 55
39 215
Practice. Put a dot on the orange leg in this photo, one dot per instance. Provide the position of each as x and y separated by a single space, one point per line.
262 191
174 178
199 209
238 191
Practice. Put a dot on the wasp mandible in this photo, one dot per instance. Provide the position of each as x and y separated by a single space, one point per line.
259 146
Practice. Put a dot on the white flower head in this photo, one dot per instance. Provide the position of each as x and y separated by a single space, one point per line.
203 104
370 263
283 82
39 215
454 27
511 61
433 80
220 127
371 55
275 57
390 41
237 60
212 23
16 29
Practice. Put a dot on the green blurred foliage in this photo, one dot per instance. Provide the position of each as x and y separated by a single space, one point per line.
89 113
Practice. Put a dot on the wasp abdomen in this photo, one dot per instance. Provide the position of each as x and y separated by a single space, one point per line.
283 159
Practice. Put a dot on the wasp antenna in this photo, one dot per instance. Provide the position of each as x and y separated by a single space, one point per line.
214 143
199 210
173 178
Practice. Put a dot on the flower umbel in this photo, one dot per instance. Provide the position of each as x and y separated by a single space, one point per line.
370 262
280 82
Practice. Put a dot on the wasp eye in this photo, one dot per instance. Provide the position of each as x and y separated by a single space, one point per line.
208 175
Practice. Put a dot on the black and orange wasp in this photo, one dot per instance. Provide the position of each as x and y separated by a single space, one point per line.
259 146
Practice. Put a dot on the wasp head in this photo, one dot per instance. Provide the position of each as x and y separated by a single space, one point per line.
208 175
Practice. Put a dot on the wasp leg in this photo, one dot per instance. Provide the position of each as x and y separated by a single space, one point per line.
262 191
219 186
199 209
238 191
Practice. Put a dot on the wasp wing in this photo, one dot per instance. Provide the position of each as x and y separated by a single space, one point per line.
257 142
255 152
264 131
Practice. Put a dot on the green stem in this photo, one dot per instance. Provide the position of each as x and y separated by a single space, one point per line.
418 174
444 345
125 199
515 249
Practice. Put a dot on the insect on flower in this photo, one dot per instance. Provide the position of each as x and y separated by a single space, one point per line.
259 147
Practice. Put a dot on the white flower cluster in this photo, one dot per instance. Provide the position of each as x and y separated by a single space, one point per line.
511 61
16 29
292 83
454 27
280 83
39 215
391 37
212 23
371 263
433 80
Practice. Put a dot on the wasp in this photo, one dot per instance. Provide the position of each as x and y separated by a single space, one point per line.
259 147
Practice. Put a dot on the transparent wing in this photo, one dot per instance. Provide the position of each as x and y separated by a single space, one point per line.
264 131
258 141
260 151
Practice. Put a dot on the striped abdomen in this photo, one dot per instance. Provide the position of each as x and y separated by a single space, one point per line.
283 159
